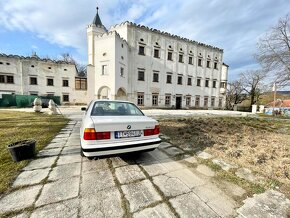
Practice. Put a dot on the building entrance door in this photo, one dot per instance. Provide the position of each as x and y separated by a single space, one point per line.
178 102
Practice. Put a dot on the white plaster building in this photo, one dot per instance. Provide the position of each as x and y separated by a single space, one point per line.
153 68
42 77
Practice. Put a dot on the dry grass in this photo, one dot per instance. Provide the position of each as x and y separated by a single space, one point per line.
258 144
16 126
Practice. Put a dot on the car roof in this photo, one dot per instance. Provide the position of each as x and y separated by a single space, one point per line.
112 100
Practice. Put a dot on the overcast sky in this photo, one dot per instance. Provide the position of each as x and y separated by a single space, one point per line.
53 27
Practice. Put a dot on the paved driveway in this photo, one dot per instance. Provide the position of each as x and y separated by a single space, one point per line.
161 183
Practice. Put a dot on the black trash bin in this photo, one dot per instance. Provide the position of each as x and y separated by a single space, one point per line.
22 150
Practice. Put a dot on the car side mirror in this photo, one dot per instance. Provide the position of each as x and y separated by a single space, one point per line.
83 109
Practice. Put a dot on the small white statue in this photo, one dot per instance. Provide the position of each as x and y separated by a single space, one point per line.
52 107
37 105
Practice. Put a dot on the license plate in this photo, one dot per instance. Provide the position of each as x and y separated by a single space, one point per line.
128 134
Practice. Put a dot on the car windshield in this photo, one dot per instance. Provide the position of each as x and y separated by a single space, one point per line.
115 108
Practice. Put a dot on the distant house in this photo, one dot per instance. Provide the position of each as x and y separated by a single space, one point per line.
282 106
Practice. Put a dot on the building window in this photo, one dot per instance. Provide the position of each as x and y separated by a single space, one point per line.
1 62
141 76
179 80
32 65
205 104
65 83
7 63
197 100
155 77
49 68
190 60
65 69
141 50
81 83
122 72
49 82
207 83
33 81
104 69
156 53
2 79
10 79
215 65
220 102
187 101
65 98
154 99
214 84
168 78
180 58
208 64
199 62
140 98
198 81
223 85
169 56
212 103
167 99
50 94
189 81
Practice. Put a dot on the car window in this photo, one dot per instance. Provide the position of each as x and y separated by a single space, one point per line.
112 108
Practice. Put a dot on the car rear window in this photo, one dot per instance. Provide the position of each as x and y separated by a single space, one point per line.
112 108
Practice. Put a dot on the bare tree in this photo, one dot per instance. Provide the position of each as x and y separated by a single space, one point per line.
235 94
274 51
252 82
81 68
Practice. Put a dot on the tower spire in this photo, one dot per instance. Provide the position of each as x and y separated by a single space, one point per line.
97 21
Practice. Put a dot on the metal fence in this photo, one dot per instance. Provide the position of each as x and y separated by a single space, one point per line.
7 100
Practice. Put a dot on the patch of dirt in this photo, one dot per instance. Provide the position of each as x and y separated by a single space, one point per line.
257 144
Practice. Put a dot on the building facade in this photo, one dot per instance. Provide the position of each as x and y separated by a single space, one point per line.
153 68
41 77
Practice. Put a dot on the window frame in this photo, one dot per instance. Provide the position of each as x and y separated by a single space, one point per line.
141 72
179 82
65 83
155 99
48 80
140 98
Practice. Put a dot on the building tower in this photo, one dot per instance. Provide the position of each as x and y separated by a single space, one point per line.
94 29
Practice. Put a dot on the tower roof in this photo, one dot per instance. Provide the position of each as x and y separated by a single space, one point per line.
97 21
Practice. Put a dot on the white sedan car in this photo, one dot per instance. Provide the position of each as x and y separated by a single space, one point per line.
113 127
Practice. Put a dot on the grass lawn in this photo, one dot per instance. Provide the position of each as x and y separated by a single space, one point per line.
262 145
16 126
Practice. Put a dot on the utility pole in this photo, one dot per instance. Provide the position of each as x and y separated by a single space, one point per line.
274 90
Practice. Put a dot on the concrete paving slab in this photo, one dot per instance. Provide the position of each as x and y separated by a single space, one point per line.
140 194
128 174
118 162
205 170
95 166
31 177
269 204
170 186
65 171
69 158
161 210
73 142
22 215
190 159
164 145
246 174
19 199
62 135
171 165
204 155
173 151
145 157
106 203
188 177
154 168
41 163
224 165
189 205
62 209
94 182
159 155
55 145
71 150
49 152
58 191
58 140
216 199
232 188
